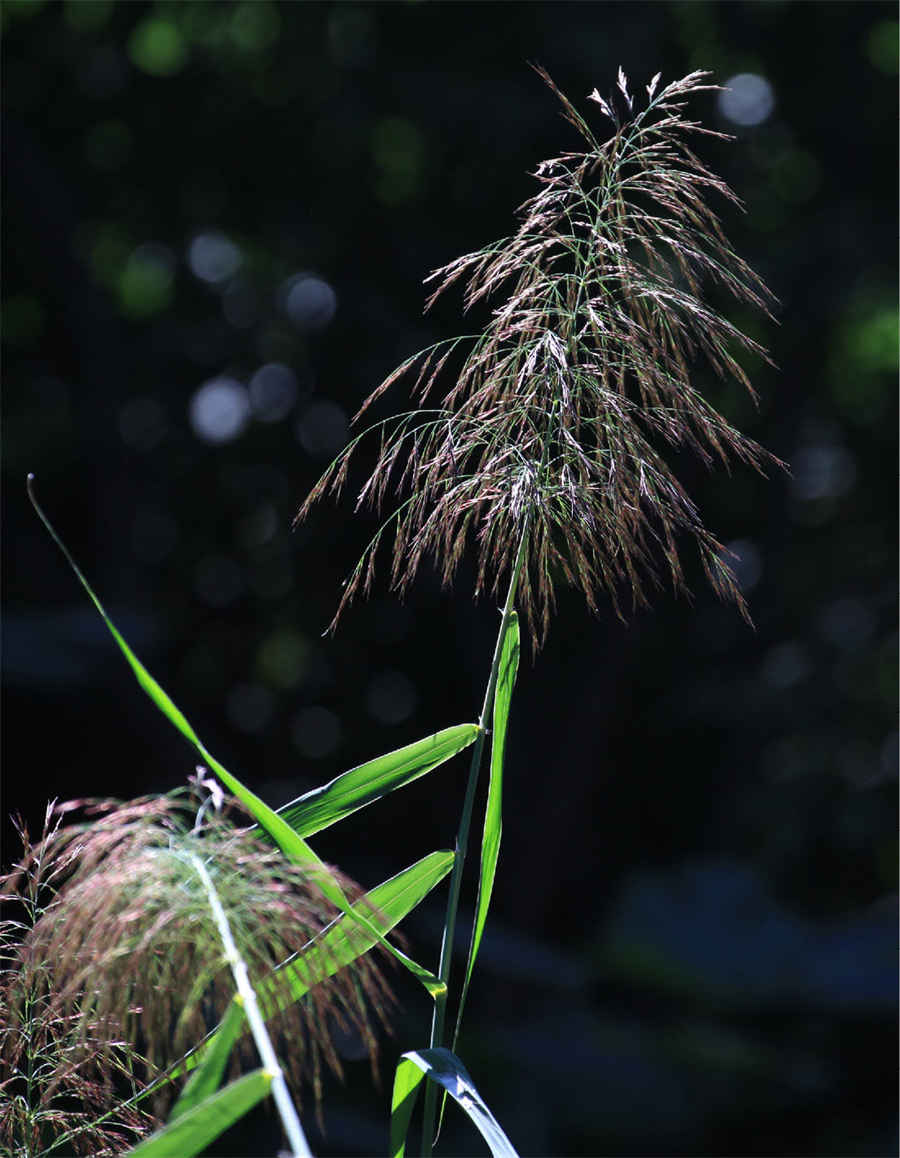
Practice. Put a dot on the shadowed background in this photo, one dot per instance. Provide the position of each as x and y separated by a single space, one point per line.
217 220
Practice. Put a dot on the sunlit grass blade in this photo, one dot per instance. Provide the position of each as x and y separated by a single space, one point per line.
147 682
407 1080
387 904
203 1123
290 842
368 782
207 1077
493 814
444 1068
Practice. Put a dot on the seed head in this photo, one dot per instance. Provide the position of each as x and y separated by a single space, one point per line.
124 958
560 410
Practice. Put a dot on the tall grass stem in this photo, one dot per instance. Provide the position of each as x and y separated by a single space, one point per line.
462 842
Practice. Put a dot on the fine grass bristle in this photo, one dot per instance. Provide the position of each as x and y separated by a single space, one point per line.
559 411
121 956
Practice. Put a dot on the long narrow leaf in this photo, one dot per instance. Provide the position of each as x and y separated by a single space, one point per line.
284 836
444 1068
344 941
297 849
407 1080
207 1077
290 842
385 906
368 782
493 814
195 1129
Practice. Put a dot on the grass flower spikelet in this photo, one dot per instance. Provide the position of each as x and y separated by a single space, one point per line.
560 410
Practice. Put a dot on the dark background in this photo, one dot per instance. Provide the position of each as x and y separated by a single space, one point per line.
692 943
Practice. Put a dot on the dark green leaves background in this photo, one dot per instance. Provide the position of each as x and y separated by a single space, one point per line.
690 943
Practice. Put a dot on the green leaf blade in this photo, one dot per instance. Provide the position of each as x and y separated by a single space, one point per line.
368 782
193 1130
290 842
408 1079
385 906
345 940
493 815
444 1068
207 1077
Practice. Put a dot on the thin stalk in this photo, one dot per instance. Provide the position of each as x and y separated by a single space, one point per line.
462 841
289 1120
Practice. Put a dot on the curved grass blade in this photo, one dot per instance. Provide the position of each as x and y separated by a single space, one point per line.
408 1077
207 1077
343 941
203 1123
368 782
493 814
385 906
444 1068
290 842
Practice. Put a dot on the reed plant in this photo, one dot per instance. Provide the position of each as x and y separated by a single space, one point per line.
545 454
542 444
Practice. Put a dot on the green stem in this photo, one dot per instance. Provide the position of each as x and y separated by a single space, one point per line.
462 841
288 1114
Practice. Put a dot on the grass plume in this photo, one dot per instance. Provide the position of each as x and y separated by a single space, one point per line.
120 962
558 413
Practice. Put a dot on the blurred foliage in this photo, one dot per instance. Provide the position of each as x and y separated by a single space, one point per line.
217 220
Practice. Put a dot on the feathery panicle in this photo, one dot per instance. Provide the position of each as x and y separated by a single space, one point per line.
60 1074
125 949
562 406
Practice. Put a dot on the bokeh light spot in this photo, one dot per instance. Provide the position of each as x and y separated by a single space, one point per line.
316 732
786 665
254 26
322 429
747 99
145 284
219 410
873 342
398 150
282 659
157 47
881 46
273 391
108 249
309 301
259 527
847 623
213 257
745 560
824 470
